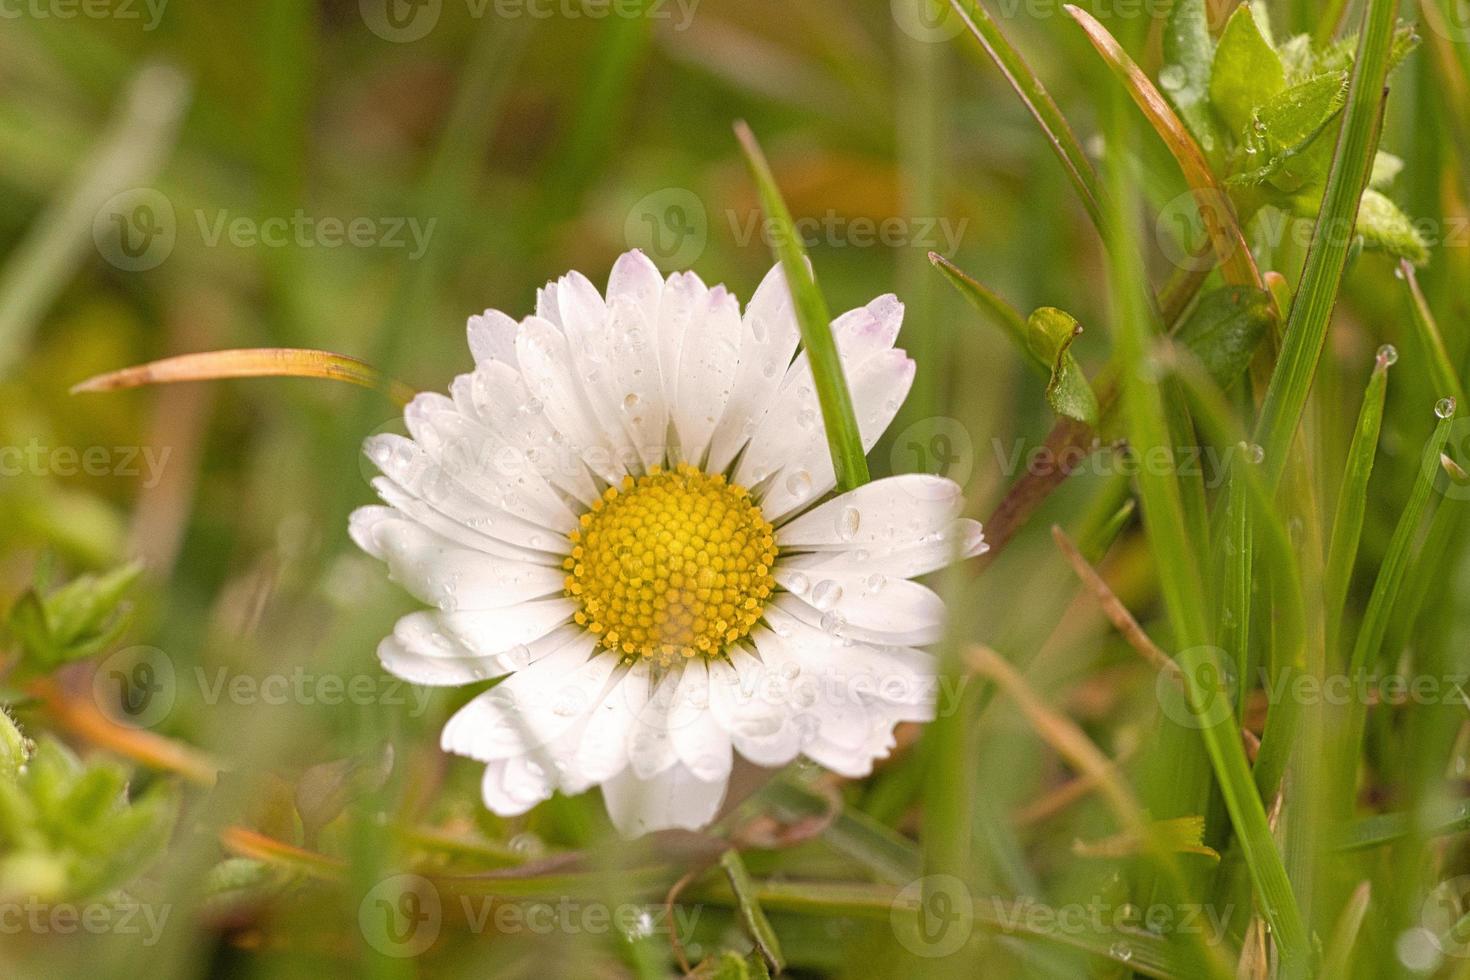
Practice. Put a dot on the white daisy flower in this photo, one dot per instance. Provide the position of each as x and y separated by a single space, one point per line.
622 508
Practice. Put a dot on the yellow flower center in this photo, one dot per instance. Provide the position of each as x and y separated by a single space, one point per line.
675 563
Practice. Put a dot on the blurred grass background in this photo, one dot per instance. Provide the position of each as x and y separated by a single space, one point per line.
522 147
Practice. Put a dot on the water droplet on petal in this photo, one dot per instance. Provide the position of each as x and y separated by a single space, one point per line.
826 594
832 621
799 484
798 583
848 522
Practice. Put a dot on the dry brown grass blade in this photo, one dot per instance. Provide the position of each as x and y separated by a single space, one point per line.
1215 209
1065 738
82 718
257 362
1113 607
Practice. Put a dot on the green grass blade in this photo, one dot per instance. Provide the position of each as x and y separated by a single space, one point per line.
815 320
751 915
1430 341
1038 102
1352 162
1352 500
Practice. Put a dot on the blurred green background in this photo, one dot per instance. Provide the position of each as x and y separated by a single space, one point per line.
360 177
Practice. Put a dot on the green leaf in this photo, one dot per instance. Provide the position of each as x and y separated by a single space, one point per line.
15 748
1189 53
838 417
79 619
1049 336
1224 330
1247 72
751 914
1044 339
1383 226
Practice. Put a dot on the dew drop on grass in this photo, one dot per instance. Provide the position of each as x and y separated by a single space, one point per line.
1172 77
1121 951
1388 355
1444 408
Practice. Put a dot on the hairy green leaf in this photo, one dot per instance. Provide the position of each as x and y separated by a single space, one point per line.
1247 72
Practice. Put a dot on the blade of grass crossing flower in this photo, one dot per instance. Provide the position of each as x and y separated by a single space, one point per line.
1037 101
751 916
843 438
1352 162
1352 500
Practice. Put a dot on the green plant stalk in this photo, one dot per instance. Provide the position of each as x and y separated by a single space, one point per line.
815 320
1430 340
1352 501
1311 312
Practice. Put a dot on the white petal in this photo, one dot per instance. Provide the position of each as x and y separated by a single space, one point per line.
878 387
684 298
411 467
531 707
495 630
492 337
583 311
768 342
511 787
699 741
635 279
752 704
708 359
885 513
433 570
456 529
882 607
552 376
497 396
962 539
674 798
421 651
651 749
636 380
603 750
833 623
